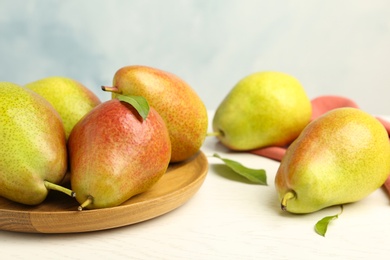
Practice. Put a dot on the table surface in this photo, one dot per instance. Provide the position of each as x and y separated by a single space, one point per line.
228 218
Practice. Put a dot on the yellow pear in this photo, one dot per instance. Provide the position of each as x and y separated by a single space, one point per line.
33 152
340 157
178 104
70 98
263 109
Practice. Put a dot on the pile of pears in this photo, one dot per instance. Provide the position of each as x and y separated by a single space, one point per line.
117 149
340 157
111 150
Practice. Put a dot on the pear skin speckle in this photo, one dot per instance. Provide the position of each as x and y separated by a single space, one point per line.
33 145
340 157
115 154
178 104
263 109
71 99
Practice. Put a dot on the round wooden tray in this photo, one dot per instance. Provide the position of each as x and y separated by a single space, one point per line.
59 214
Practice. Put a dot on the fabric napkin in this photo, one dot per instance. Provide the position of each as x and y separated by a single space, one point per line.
321 105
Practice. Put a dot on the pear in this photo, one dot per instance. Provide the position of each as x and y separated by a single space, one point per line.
263 109
33 154
116 154
340 157
70 98
178 104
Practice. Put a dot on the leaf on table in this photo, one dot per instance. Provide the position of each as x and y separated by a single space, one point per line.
254 175
322 225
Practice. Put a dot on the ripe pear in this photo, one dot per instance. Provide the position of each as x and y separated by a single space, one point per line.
70 98
116 154
178 104
340 157
33 154
262 109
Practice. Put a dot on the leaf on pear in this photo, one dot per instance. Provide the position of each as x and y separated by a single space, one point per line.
322 225
138 102
254 175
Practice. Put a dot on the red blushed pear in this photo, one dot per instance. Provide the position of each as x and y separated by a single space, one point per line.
115 154
178 104
340 157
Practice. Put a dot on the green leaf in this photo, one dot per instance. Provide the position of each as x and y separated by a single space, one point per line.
322 225
138 102
256 176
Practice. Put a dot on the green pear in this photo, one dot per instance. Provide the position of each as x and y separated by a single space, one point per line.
262 109
178 104
33 154
340 157
115 154
70 98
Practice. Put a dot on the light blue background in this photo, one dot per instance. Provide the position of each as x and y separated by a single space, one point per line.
333 47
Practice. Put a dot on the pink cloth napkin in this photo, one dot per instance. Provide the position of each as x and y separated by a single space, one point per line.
320 105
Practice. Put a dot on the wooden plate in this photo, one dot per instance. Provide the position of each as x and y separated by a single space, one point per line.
59 214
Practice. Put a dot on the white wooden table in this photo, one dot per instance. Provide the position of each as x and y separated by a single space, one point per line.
228 218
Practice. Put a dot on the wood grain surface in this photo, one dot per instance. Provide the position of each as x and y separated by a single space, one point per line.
59 214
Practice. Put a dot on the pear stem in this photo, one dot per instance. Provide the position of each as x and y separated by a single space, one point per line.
289 195
87 202
213 134
53 186
111 89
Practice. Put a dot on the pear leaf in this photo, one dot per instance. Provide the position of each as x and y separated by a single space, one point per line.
254 175
138 102
322 225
